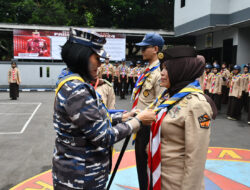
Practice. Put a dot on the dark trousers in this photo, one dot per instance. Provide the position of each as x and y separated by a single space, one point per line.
123 86
234 107
217 100
141 142
107 78
14 91
116 86
225 92
207 93
131 84
244 101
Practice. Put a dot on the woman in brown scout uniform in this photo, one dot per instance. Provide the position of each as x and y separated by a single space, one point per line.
235 93
180 136
245 80
14 81
216 86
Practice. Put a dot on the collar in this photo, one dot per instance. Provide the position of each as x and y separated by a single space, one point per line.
156 62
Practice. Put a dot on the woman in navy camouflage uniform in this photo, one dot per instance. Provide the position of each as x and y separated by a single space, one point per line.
85 135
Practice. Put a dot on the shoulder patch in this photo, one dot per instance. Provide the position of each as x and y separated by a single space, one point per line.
204 121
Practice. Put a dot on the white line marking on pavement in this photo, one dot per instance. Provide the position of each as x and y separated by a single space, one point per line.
27 122
32 115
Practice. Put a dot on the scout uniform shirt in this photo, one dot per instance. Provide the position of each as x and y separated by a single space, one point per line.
14 76
107 93
206 80
131 72
107 69
236 86
226 75
151 88
138 71
185 136
216 84
116 71
245 80
123 71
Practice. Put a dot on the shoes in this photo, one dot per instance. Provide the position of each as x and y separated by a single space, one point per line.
231 118
248 122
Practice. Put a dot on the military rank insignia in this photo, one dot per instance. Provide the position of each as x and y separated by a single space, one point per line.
145 93
204 121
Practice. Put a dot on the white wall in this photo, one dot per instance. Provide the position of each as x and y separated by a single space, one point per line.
30 74
193 9
237 5
218 38
220 6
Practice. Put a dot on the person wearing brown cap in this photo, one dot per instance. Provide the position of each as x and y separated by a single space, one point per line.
180 136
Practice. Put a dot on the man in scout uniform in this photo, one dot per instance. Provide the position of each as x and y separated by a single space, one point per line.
216 86
107 71
146 91
14 80
235 94
225 73
123 70
116 78
245 81
131 79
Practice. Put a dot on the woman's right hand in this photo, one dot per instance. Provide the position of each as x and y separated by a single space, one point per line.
147 117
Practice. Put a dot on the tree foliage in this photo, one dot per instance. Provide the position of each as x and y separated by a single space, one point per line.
150 14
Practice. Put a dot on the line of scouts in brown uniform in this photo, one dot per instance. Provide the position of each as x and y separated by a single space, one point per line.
122 76
226 87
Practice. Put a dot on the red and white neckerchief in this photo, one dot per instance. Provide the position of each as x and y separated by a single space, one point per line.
107 70
123 71
235 77
213 81
249 87
13 74
205 81
138 72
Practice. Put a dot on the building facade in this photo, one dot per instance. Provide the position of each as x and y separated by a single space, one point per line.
220 27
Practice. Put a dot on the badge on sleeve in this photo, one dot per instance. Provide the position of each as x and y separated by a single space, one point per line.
204 121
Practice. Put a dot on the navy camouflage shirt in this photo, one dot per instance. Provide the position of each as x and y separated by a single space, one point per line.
84 138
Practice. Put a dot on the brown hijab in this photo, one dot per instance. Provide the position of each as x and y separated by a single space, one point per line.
184 67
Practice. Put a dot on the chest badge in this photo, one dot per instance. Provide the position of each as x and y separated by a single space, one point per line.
174 111
145 93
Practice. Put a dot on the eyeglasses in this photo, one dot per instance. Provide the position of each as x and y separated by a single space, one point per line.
143 48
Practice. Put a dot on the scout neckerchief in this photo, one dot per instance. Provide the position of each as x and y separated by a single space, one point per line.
138 70
123 71
213 81
139 83
138 86
154 154
14 74
205 81
107 70
235 77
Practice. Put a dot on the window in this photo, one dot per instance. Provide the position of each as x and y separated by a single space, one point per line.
41 72
183 2
48 72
